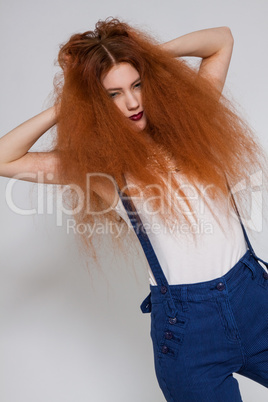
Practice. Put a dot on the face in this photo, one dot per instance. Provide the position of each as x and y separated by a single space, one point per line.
123 85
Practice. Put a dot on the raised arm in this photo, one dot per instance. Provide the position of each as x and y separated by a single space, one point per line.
18 141
14 146
16 160
213 45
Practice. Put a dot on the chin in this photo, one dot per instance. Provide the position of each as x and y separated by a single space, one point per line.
141 126
140 129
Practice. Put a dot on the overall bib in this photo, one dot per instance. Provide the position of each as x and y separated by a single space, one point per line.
203 332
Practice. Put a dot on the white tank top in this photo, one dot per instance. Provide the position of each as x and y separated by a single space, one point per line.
184 258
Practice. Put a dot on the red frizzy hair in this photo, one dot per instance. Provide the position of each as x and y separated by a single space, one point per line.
187 120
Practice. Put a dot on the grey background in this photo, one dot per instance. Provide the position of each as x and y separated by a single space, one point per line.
67 335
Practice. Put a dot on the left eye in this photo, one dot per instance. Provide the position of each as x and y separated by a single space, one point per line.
137 85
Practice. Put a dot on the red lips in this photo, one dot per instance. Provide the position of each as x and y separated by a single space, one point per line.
136 117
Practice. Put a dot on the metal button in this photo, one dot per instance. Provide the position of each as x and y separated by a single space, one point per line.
220 286
163 289
172 320
168 335
265 275
164 349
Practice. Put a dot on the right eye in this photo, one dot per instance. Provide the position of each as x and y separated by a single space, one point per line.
113 94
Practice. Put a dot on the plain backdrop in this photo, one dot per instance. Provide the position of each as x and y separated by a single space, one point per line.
67 335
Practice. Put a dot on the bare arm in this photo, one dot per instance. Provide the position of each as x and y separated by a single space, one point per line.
18 141
41 167
213 45
14 146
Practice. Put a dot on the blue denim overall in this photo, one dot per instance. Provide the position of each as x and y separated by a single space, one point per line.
203 332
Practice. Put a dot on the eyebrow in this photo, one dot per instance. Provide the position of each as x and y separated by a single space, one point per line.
116 89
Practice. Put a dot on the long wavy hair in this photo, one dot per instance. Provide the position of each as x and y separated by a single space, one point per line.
188 122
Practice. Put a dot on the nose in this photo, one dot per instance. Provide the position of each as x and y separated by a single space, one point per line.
132 102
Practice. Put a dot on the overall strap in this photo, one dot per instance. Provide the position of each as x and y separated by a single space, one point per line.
143 238
140 231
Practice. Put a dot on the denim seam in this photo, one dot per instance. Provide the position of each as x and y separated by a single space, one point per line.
160 365
224 320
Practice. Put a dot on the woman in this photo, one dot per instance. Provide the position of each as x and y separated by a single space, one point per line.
133 118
